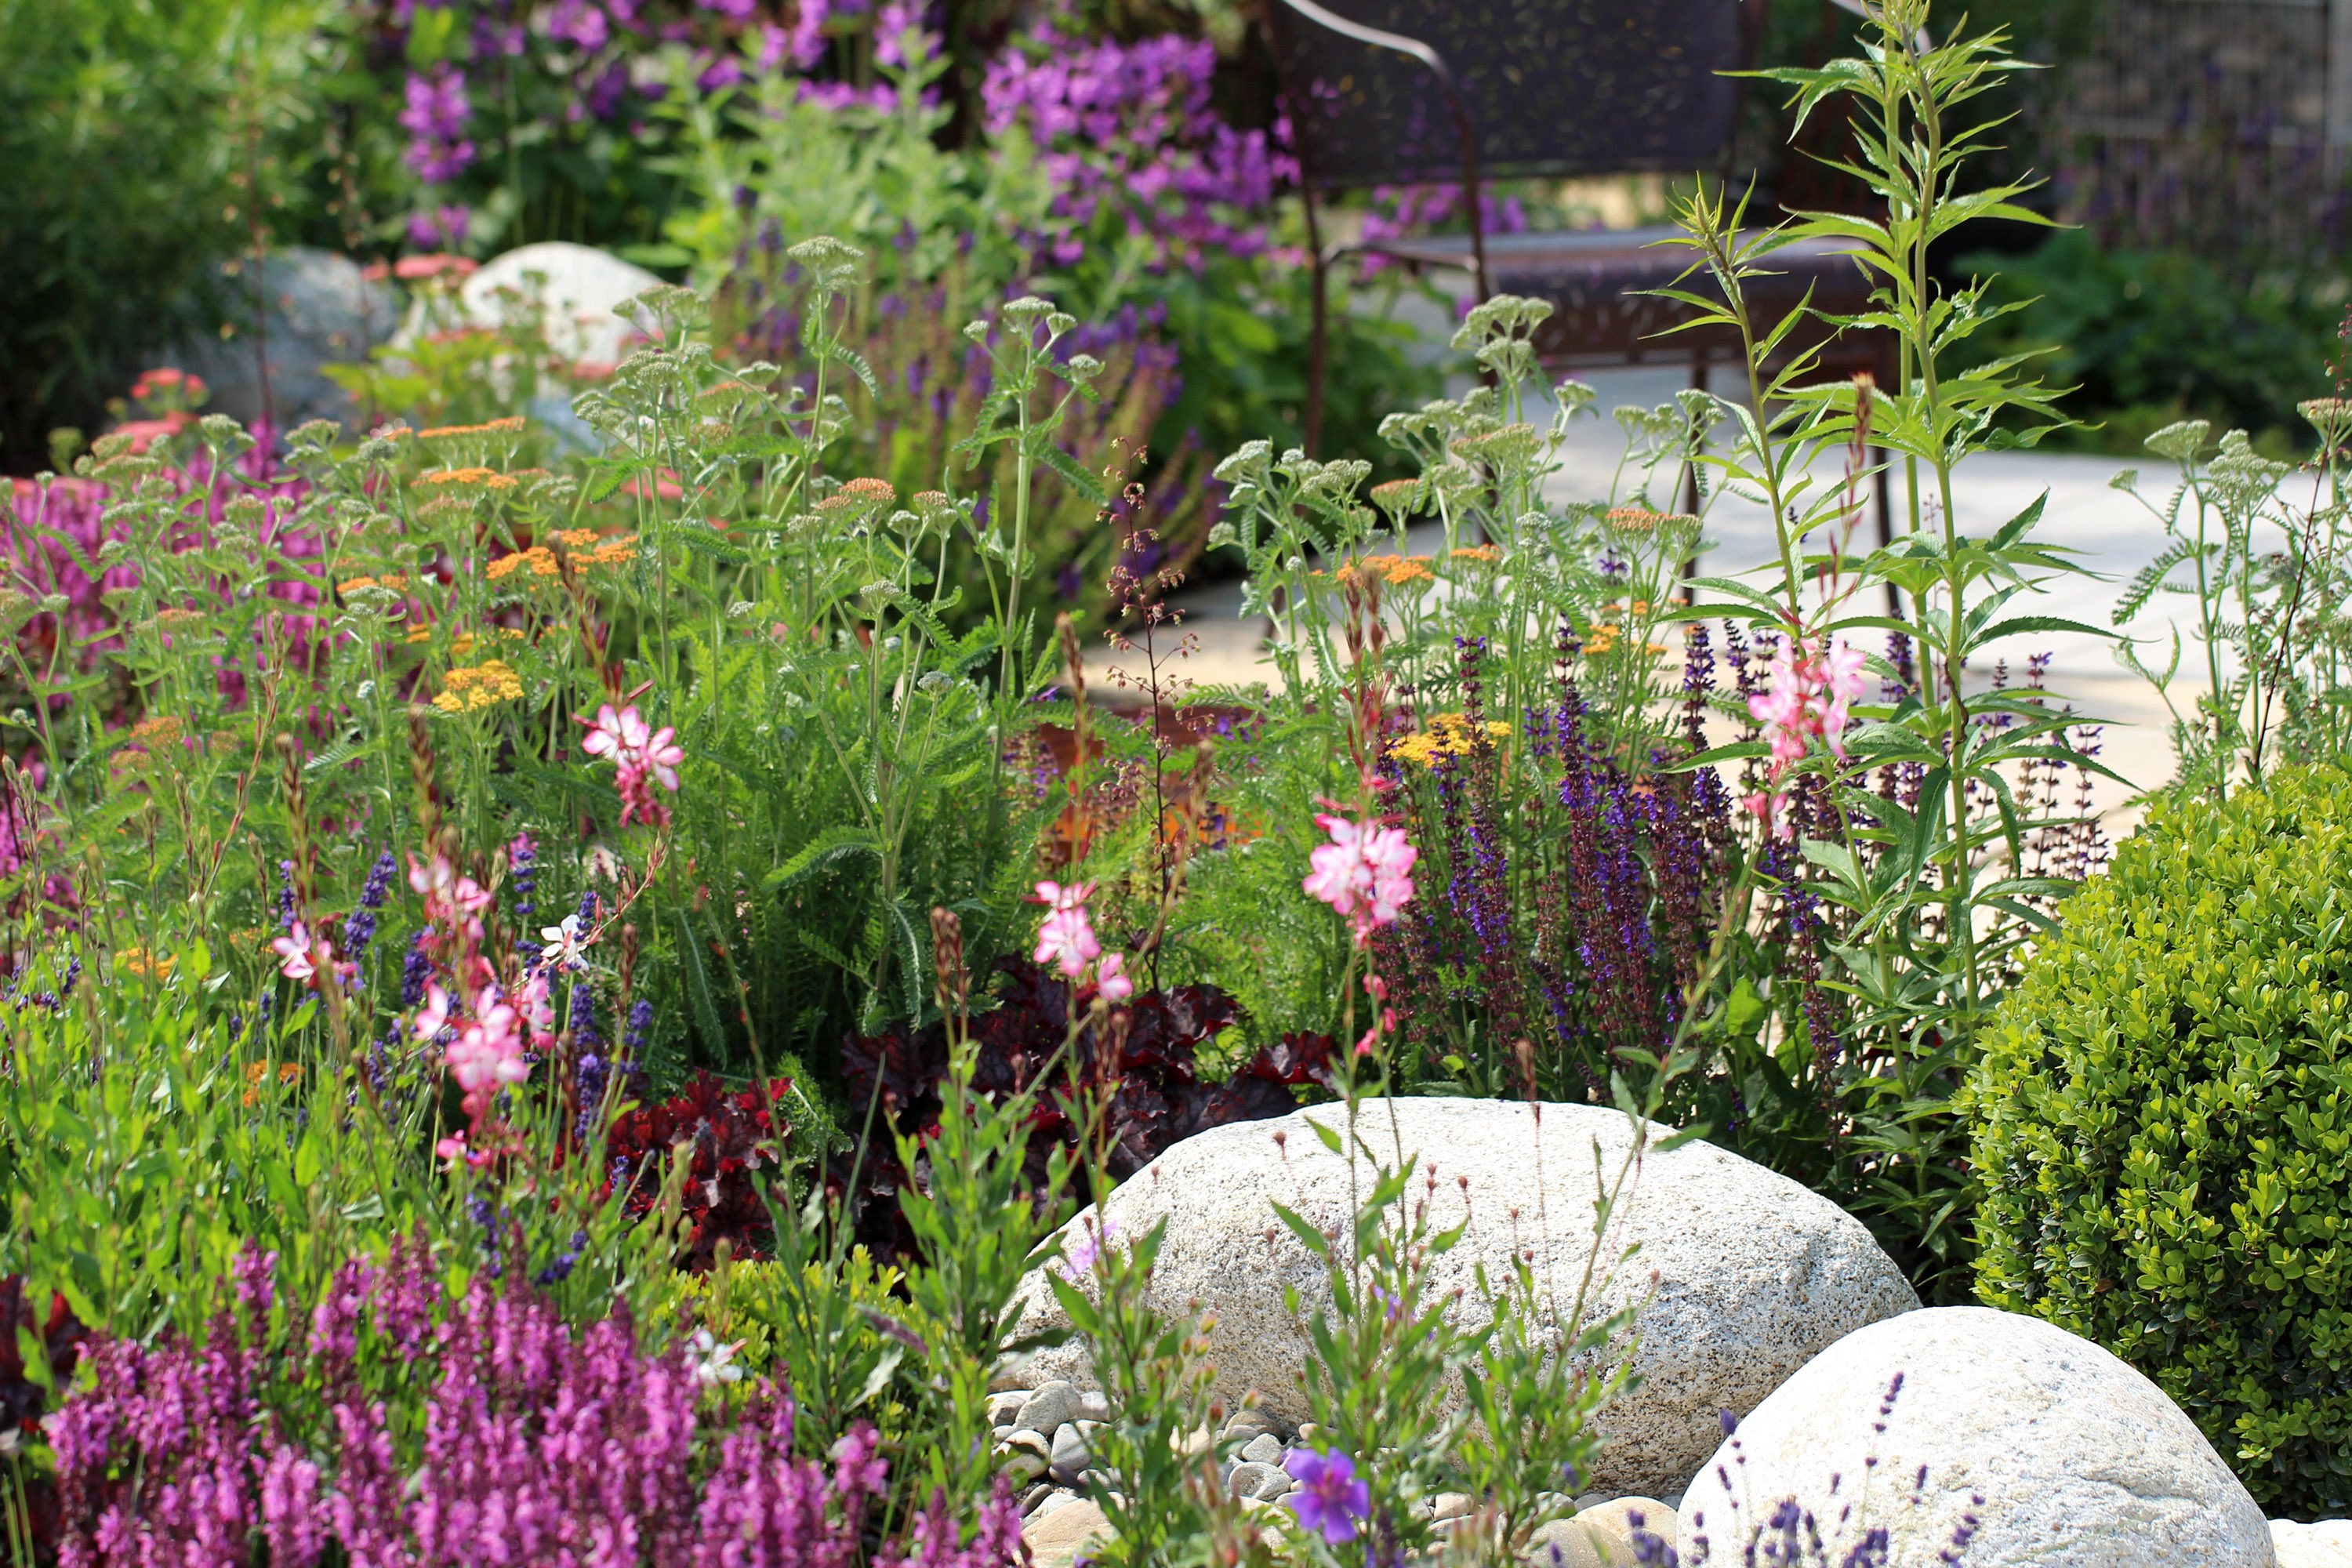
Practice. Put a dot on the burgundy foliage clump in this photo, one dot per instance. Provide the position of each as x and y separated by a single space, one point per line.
735 1136
1149 1056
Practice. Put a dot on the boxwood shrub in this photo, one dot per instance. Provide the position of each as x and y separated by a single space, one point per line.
2163 1125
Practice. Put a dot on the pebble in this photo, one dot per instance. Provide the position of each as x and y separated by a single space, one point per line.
1048 1407
1611 1525
1025 1456
1595 1500
1093 1407
1265 1448
1450 1505
1573 1543
1311 1434
1258 1481
1056 1539
1035 1496
1058 1498
1069 1448
1003 1407
1065 1475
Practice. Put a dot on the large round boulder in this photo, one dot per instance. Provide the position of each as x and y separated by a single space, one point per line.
2006 1437
1743 1275
315 308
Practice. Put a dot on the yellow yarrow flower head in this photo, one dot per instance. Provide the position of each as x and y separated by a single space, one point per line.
1448 735
466 689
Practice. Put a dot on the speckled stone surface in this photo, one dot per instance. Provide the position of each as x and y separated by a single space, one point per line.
2078 1458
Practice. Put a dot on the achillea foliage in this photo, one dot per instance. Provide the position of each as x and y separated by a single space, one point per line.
483 1430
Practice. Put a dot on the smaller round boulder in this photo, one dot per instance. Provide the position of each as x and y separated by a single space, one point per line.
2007 1441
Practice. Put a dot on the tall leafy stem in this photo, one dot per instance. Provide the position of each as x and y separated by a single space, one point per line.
1911 141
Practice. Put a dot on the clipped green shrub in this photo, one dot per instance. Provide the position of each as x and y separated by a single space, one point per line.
2163 1125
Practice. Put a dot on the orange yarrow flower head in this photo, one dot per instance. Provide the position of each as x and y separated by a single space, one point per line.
538 560
1399 498
461 479
858 499
1484 554
1642 520
507 426
1394 569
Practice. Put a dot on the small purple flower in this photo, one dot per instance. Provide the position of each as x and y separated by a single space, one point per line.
1082 1257
1329 1496
435 115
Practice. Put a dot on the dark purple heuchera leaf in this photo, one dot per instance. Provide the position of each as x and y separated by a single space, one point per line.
23 1401
1151 1047
734 1138
61 1335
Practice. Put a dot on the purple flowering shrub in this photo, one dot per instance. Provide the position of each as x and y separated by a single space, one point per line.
1580 891
1126 129
394 1425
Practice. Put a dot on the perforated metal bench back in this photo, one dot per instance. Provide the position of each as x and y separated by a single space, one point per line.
1553 87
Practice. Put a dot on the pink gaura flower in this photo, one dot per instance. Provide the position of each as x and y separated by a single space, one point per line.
639 751
1067 939
448 897
1772 806
1364 873
299 955
1809 692
488 1052
1112 981
566 945
615 733
433 1016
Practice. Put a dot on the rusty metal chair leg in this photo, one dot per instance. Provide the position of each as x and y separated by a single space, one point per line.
1319 338
1690 477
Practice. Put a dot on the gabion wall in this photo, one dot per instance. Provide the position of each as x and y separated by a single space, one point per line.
2214 124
